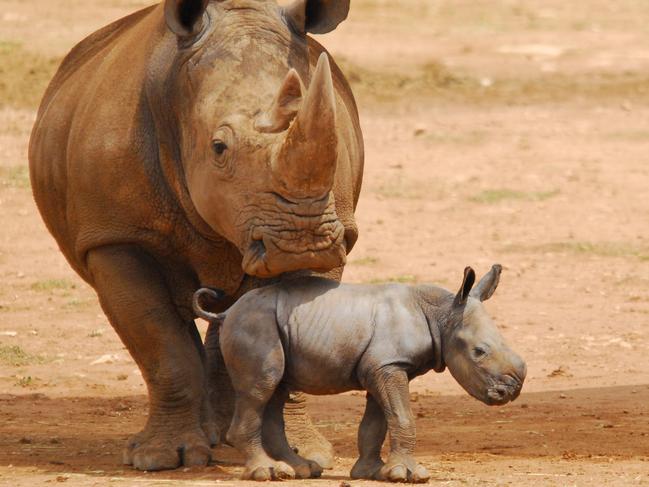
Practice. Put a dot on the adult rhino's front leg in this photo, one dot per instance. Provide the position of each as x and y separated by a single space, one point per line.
167 349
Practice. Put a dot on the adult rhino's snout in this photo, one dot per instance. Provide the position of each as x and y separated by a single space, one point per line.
305 164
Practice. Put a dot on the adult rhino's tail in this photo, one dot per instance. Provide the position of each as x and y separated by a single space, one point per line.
213 295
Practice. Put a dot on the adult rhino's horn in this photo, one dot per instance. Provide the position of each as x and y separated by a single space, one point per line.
306 161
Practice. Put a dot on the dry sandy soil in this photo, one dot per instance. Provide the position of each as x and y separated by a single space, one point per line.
506 131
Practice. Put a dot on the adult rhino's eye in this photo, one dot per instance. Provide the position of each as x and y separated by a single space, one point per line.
219 147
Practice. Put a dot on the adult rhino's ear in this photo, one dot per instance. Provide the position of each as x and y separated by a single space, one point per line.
185 18
465 288
316 16
488 284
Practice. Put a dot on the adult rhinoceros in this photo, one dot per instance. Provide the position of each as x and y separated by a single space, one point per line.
196 143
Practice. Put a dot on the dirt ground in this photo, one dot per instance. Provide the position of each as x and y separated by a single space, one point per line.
508 131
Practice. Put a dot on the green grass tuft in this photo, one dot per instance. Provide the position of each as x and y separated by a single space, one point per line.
365 261
493 196
25 381
402 279
16 356
15 177
599 249
24 75
52 285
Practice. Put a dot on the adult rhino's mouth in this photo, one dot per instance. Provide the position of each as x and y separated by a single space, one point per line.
295 236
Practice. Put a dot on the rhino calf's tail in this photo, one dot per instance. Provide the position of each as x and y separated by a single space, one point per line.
213 295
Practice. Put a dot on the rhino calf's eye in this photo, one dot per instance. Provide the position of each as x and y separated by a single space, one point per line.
479 352
219 147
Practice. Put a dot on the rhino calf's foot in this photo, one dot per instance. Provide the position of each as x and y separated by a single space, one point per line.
264 469
366 469
402 468
154 449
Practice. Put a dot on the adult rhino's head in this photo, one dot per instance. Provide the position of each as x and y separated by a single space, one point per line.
262 129
474 351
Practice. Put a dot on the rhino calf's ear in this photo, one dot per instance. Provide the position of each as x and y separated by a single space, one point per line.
488 284
467 283
185 17
316 16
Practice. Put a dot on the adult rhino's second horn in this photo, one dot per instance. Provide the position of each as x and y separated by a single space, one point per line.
306 162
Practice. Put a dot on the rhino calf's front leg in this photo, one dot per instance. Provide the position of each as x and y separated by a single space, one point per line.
389 386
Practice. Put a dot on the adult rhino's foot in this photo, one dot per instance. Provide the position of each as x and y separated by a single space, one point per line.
366 469
157 449
213 433
263 470
302 434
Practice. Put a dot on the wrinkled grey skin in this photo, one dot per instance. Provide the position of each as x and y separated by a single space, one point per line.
321 337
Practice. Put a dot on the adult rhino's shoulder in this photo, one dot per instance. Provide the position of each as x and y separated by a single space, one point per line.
92 44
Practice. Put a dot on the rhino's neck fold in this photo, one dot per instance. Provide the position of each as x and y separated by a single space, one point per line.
433 302
164 69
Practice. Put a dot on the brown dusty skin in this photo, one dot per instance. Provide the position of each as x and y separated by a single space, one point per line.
512 132
149 170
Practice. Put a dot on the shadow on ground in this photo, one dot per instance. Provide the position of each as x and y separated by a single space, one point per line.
86 435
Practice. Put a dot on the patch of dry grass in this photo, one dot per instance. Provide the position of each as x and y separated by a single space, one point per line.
15 356
24 75
599 249
493 196
15 176
435 80
402 279
49 285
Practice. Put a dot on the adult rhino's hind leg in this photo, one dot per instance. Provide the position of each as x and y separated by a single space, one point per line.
303 435
134 296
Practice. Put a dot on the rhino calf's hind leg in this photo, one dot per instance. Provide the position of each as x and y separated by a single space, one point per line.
371 434
276 443
254 356
166 347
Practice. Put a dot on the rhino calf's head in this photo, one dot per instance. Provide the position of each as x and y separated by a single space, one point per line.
474 350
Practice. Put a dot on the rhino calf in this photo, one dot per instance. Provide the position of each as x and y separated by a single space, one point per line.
322 337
